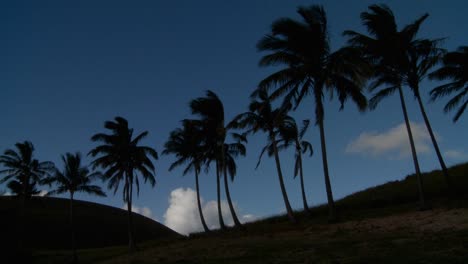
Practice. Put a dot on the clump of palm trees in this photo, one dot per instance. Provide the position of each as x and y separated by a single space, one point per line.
385 61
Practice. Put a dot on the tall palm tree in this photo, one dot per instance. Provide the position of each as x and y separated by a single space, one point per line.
311 68
210 110
387 49
24 173
231 151
423 55
185 143
261 117
122 157
454 69
74 178
291 135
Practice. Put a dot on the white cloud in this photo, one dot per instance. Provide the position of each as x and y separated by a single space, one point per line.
42 193
393 141
7 194
182 214
456 154
145 211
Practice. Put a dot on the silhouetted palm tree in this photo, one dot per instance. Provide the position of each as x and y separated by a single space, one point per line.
231 152
210 109
122 158
291 135
454 69
261 117
387 49
74 178
186 144
423 55
24 173
311 69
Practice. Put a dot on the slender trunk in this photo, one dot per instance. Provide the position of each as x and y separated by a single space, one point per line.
434 142
205 227
422 200
301 175
331 203
228 195
131 241
72 229
280 176
218 189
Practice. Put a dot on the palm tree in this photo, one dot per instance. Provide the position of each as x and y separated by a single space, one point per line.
303 47
423 55
122 157
231 151
74 178
210 110
23 172
261 117
185 144
455 69
292 135
387 49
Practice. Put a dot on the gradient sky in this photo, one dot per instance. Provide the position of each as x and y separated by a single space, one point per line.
67 66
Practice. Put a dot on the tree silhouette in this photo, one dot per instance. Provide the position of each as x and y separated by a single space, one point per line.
387 49
186 144
261 117
122 157
303 47
23 172
210 110
291 135
72 179
454 69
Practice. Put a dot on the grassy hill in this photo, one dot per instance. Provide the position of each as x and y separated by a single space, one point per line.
379 224
47 224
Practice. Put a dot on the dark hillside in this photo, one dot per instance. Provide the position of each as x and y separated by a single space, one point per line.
47 224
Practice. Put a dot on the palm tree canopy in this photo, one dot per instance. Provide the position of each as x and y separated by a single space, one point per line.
454 69
394 55
120 155
74 177
304 48
24 171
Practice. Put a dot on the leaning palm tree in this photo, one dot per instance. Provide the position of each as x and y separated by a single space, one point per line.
122 158
24 173
454 69
291 135
423 55
311 68
185 143
210 110
262 117
387 49
231 151
73 179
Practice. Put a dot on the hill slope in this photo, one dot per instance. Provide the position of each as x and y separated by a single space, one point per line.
96 225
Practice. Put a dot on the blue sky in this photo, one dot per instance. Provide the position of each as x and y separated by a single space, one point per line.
67 66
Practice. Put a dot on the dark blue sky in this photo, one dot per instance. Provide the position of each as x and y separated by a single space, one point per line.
67 66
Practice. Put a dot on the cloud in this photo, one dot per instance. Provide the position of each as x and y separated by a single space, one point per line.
456 154
42 193
182 214
393 141
7 193
145 211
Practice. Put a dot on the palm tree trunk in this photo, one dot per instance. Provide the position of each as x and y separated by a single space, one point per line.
331 202
434 142
301 175
205 227
131 241
72 228
422 200
280 176
218 189
228 195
